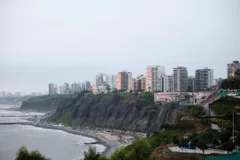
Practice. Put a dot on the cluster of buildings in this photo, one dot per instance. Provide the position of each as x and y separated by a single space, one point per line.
19 94
10 94
155 79
67 88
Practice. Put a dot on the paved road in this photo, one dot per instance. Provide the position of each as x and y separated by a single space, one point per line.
208 110
213 97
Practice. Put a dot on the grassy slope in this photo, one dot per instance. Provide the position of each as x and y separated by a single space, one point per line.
224 106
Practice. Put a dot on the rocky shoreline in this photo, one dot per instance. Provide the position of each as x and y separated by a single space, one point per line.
110 146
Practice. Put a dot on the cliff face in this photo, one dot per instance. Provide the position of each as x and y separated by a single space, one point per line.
134 112
42 103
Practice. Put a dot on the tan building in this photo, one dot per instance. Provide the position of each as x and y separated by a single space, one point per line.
134 84
124 80
232 68
140 83
153 74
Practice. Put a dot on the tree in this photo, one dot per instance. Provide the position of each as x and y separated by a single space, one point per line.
149 89
141 150
225 135
175 141
237 72
228 146
202 145
91 154
238 140
23 154
119 154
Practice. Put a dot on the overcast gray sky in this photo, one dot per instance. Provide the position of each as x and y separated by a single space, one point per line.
43 41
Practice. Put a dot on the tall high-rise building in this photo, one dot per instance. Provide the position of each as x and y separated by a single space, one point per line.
232 68
99 79
129 80
124 80
164 83
180 79
52 89
170 83
74 87
87 85
153 74
112 81
203 79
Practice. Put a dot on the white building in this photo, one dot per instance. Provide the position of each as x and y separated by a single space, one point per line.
52 89
112 81
129 80
74 87
180 78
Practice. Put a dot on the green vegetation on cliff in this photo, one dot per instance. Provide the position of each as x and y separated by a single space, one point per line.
224 106
125 111
195 111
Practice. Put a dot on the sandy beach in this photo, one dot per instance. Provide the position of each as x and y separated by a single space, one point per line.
108 139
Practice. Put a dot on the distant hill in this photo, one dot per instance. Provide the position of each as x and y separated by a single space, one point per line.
43 103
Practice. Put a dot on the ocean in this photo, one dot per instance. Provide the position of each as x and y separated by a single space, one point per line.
55 144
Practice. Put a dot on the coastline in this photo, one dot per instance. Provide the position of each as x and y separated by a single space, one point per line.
109 146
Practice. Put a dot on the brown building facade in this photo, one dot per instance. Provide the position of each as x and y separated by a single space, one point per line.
124 80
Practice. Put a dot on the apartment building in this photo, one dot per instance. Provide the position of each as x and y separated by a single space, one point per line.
124 80
232 68
203 79
153 74
180 78
164 83
141 80
170 83
52 89
138 84
134 84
